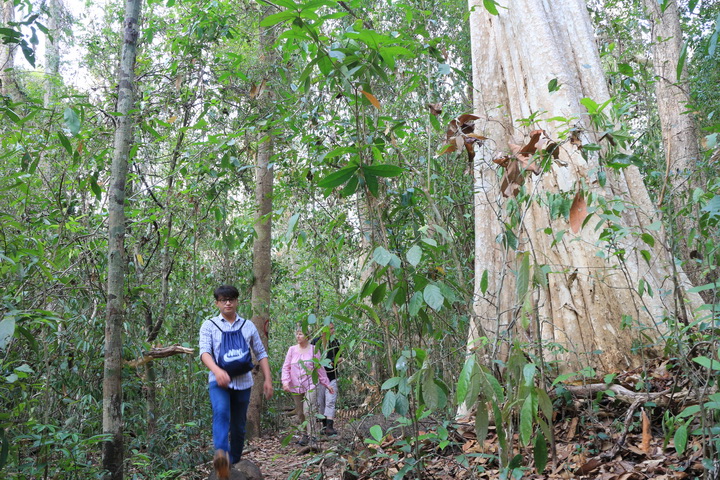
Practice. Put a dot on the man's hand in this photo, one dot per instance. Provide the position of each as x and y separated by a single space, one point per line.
330 389
268 389
286 387
222 378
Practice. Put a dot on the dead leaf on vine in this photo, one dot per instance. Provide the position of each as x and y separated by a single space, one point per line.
257 90
575 140
372 99
578 211
435 108
461 132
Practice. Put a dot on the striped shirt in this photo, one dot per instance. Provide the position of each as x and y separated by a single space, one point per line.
210 337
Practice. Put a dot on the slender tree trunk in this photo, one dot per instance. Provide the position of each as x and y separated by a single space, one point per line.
262 261
262 272
8 87
591 306
679 133
52 52
112 383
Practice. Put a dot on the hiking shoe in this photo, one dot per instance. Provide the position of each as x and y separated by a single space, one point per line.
221 462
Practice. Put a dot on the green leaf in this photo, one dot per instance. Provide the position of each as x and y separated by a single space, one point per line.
416 303
553 85
433 297
469 382
529 374
72 121
379 293
292 223
65 142
680 438
484 282
336 179
526 420
402 405
707 363
372 183
649 239
390 383
276 18
383 170
540 452
523 277
681 60
382 256
7 330
626 69
491 6
414 255
376 433
482 423
388 405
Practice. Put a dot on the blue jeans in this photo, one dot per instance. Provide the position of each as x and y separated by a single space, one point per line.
229 409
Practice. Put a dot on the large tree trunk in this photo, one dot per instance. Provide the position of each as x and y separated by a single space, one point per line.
112 380
262 246
516 55
679 134
262 264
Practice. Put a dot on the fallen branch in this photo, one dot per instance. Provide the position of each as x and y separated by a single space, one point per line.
159 352
625 395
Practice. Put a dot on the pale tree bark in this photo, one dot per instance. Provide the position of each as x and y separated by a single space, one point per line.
52 52
262 246
516 54
679 132
112 379
8 85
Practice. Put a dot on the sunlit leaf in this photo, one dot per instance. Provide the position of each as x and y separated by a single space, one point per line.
433 297
414 255
7 329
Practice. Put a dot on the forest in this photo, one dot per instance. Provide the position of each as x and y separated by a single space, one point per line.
506 209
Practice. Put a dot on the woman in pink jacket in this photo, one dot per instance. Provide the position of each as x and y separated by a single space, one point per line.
297 378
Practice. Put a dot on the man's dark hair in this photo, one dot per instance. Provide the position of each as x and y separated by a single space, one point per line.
226 291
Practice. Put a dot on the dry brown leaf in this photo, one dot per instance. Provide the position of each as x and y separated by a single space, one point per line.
372 99
448 149
435 108
590 466
572 429
575 140
502 161
578 211
477 136
463 124
646 434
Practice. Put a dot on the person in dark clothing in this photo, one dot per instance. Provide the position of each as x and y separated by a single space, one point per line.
327 398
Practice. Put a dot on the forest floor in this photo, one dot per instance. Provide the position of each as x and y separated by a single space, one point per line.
597 437
582 451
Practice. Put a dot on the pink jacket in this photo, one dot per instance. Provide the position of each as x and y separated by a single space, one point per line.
297 371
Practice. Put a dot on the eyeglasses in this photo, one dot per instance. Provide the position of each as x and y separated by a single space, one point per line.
227 300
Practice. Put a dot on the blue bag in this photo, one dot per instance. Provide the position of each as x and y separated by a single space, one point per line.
234 356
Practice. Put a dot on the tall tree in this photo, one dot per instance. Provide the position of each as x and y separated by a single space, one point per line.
679 133
52 51
8 85
602 288
262 245
112 379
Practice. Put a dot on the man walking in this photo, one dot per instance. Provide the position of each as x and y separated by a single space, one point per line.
230 391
